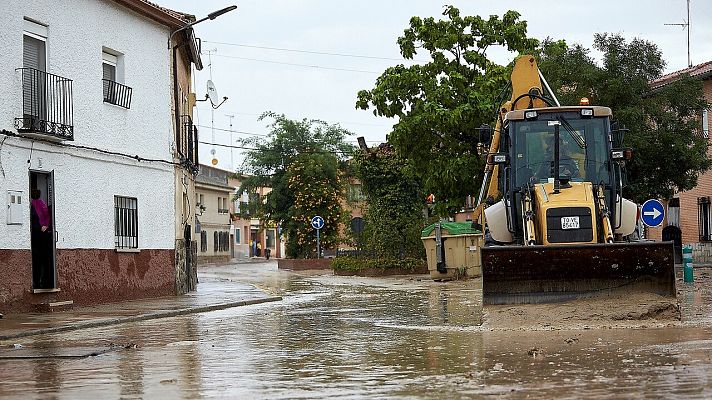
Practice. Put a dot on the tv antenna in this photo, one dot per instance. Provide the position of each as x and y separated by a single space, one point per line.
212 95
686 25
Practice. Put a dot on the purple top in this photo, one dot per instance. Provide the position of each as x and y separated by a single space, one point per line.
42 211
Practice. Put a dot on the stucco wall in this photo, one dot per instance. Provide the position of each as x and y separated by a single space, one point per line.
86 181
85 187
76 35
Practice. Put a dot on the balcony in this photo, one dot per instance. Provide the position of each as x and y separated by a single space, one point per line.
116 93
47 107
187 143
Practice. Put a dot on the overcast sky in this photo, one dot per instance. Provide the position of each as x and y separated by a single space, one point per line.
301 84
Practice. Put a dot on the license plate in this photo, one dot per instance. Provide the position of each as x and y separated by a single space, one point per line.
569 222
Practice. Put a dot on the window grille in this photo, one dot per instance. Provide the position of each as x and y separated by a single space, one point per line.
126 222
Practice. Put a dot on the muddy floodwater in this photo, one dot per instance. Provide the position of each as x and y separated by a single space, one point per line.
379 338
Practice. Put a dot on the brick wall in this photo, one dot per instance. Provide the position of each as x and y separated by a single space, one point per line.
688 200
702 253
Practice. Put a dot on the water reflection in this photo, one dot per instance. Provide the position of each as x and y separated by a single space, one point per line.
130 366
45 371
336 337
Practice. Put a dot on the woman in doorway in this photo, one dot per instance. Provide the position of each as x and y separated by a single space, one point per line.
40 226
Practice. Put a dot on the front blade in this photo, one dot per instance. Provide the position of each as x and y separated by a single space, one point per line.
542 274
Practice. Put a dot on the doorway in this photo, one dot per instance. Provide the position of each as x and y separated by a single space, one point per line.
43 243
253 242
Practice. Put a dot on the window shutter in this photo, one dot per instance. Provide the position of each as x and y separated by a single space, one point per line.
109 72
33 55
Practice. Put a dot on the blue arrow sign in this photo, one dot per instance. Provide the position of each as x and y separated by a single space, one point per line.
317 222
652 213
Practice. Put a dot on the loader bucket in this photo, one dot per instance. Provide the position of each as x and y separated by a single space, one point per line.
543 274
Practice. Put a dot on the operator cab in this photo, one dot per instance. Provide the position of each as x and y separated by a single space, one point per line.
584 145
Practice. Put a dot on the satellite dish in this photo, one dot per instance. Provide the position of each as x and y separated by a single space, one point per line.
213 93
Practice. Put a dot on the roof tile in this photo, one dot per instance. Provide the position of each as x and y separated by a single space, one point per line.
700 71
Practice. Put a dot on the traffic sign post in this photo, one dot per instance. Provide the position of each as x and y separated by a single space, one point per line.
652 213
317 223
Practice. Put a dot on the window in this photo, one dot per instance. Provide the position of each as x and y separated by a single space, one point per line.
126 222
34 57
582 147
114 92
673 211
108 66
216 241
356 193
225 241
34 40
222 205
703 219
237 235
705 124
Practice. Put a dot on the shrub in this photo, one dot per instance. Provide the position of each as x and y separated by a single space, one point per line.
349 263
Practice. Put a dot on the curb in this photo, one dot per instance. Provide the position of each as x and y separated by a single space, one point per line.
137 318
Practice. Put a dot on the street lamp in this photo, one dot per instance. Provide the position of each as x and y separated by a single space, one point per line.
210 16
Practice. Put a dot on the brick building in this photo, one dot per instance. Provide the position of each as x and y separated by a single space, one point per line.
691 211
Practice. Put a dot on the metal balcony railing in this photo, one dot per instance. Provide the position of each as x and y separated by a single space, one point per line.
188 141
116 93
47 106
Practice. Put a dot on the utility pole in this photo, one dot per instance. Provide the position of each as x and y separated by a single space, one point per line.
232 150
214 161
686 25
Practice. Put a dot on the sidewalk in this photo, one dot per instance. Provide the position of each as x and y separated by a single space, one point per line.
212 294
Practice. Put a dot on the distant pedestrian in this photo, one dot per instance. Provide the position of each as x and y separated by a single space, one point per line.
267 252
40 224
259 249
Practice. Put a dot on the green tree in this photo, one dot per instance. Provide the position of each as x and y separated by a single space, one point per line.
441 104
394 204
302 162
664 123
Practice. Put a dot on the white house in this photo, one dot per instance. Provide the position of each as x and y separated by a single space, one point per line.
87 120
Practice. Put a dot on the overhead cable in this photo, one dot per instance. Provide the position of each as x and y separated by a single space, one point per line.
298 65
323 53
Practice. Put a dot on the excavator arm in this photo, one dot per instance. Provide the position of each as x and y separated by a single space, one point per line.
526 93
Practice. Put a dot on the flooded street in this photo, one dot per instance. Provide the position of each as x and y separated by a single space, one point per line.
364 338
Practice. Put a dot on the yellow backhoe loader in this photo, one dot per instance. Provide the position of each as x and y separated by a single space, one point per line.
551 200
